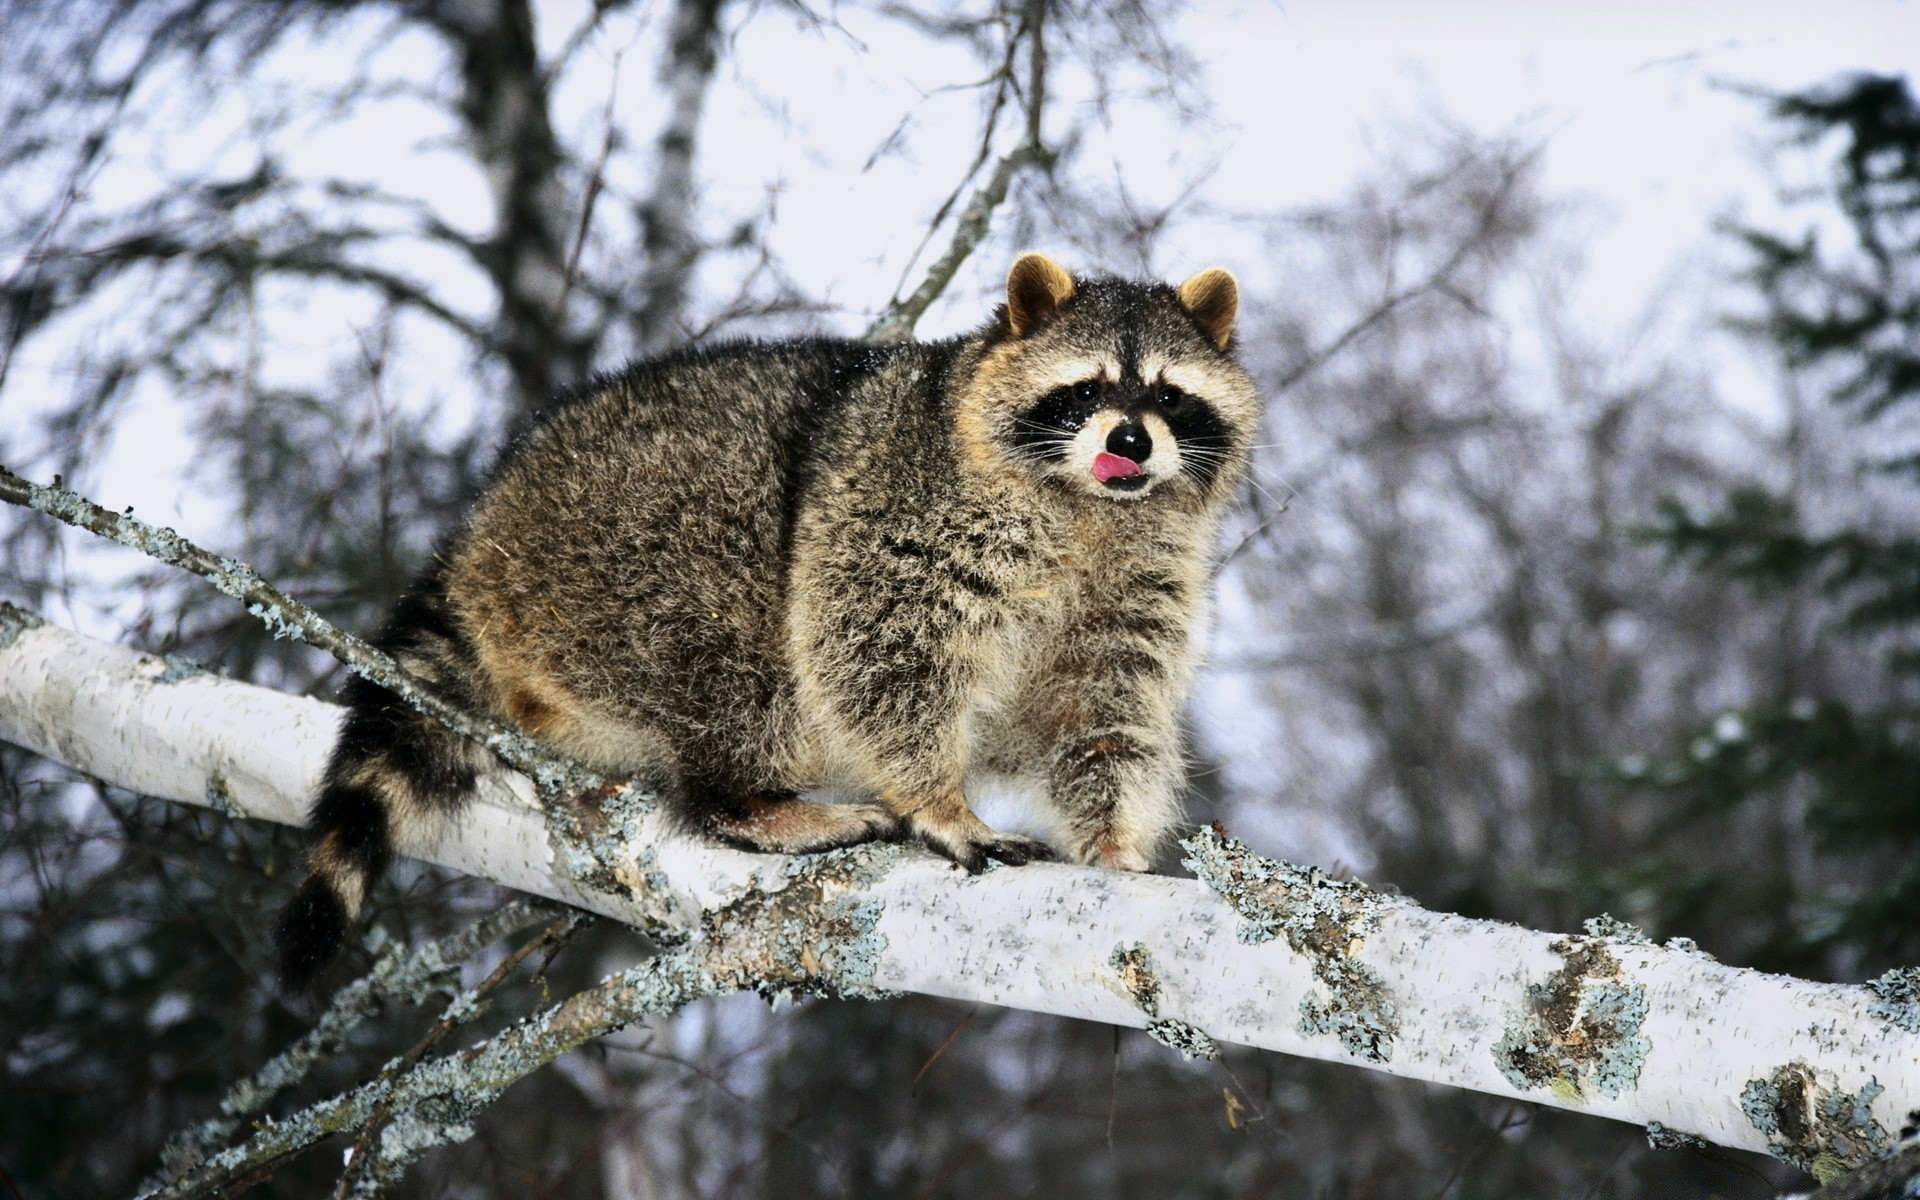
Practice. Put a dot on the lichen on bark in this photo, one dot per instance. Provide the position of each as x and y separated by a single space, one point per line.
1897 998
1665 1137
1142 983
1580 1031
1816 1126
596 839
809 932
1326 920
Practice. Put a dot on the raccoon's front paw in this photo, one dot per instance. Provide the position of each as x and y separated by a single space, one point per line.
971 843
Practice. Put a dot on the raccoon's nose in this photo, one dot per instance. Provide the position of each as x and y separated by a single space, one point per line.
1130 439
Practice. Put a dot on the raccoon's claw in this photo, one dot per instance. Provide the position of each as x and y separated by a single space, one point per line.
1010 849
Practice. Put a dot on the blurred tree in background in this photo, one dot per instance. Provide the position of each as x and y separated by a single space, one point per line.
1831 551
1436 601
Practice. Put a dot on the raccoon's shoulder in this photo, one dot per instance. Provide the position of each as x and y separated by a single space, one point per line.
791 392
747 385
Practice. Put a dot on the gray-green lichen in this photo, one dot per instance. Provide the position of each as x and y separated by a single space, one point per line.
1608 926
1817 1127
1686 945
815 935
15 621
595 838
178 667
1662 1137
1135 965
1580 1031
398 974
1326 920
1180 1036
220 796
812 933
1898 998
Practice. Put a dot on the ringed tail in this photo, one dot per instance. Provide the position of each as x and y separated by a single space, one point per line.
391 767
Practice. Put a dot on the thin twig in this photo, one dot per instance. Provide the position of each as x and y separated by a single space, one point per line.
596 183
896 322
913 1089
1438 281
362 1159
1004 85
396 975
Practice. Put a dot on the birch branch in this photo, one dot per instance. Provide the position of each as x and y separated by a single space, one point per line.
1254 951
580 807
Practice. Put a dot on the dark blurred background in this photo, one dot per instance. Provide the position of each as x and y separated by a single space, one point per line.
1580 571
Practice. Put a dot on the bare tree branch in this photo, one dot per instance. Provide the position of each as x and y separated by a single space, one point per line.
1255 951
398 974
795 938
371 1165
289 618
897 321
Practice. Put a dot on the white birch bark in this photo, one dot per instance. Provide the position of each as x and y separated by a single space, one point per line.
1255 952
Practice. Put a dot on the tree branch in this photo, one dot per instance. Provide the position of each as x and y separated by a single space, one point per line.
371 1164
796 936
398 974
289 618
896 322
1253 951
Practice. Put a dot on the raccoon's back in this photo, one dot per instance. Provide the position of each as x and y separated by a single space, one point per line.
633 546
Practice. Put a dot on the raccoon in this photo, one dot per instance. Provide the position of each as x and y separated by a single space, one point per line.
754 571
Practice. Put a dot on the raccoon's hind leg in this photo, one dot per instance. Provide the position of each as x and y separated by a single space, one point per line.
783 823
391 767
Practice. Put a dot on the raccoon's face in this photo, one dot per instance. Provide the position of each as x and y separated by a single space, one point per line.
1115 389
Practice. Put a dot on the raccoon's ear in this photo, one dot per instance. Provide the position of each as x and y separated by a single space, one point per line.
1213 297
1036 288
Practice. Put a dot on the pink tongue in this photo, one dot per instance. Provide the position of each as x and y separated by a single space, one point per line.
1111 466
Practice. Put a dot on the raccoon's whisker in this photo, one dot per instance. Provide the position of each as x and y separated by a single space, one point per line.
1206 452
1053 429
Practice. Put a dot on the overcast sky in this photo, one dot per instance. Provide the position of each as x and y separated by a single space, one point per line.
1634 101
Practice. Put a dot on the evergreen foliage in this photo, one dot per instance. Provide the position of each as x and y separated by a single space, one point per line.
1843 316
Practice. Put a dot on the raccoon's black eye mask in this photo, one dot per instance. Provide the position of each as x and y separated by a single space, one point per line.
1043 432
